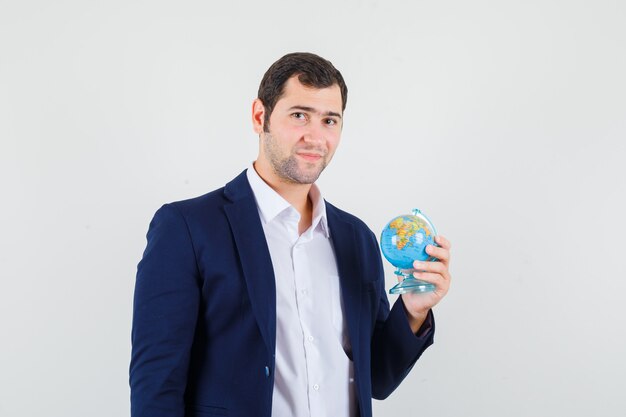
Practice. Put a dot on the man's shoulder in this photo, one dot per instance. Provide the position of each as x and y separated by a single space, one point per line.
213 200
201 202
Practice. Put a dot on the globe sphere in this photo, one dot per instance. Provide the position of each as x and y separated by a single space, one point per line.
404 239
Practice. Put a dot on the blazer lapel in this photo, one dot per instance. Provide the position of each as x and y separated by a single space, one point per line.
349 267
254 254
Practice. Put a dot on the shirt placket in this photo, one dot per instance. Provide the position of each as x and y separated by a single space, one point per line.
302 283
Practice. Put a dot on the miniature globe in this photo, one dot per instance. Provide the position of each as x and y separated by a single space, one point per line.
403 241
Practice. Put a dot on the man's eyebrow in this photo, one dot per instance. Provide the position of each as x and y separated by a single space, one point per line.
312 110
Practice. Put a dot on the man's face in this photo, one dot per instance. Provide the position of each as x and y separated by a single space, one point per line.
304 131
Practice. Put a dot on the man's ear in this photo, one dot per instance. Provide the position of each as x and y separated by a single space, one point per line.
258 116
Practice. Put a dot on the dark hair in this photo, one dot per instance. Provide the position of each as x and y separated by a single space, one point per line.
312 71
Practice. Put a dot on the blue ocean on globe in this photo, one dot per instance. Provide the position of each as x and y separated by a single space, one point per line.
404 240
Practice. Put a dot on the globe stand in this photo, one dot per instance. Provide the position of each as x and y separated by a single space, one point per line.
410 285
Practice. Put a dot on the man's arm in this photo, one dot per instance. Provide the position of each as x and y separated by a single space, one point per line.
165 312
395 347
403 334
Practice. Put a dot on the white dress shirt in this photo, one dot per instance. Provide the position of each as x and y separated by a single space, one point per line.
314 376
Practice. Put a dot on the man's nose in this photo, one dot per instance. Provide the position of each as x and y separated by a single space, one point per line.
314 133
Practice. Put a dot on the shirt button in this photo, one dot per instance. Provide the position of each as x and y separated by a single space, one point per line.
311 338
316 387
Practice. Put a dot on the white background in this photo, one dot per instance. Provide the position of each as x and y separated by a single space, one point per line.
504 121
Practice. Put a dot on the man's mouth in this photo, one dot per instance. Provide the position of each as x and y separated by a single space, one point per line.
309 156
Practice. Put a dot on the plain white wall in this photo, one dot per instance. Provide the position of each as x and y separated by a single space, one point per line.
504 121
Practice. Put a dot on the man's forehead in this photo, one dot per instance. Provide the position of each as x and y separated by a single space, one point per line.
328 97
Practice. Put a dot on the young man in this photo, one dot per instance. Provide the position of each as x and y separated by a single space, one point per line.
260 298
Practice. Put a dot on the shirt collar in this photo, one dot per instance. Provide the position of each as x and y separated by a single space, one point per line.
271 204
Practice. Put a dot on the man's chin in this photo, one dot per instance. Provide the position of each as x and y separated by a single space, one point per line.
297 171
304 177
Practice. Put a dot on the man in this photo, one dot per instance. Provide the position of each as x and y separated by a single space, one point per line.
261 299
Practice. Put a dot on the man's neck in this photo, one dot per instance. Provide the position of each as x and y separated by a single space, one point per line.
296 194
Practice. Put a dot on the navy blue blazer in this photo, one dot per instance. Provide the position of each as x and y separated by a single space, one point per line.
204 314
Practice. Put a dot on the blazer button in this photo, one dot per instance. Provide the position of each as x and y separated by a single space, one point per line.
267 371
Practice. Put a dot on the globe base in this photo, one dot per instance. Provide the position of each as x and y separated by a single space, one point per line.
412 285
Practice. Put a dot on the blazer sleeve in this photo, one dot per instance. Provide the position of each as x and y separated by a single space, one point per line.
165 311
395 348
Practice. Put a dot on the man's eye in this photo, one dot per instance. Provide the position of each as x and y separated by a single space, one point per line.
298 115
331 122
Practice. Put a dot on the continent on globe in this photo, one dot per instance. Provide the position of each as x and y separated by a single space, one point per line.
406 228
